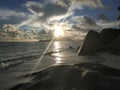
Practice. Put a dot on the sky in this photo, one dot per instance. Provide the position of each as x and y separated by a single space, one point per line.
44 14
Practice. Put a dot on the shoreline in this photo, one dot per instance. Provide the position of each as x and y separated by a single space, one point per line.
35 41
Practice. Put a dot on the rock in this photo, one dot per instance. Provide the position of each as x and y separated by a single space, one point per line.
108 40
111 40
92 43
109 35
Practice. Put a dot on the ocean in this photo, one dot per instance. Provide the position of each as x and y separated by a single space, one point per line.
20 58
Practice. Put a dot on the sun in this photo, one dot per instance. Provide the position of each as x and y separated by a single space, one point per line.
58 31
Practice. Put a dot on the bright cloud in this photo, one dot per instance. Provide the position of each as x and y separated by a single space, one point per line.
109 24
11 32
89 3
45 14
7 14
56 10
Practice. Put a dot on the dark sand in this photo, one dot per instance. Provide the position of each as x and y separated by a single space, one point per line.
84 76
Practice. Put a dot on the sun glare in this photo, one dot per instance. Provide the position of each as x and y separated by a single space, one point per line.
58 31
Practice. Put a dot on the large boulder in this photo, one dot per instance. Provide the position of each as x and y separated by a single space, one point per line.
92 43
108 40
109 35
111 40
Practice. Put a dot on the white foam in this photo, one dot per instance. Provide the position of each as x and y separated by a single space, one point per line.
110 60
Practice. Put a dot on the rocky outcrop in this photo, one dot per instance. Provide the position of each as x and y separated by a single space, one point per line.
109 35
92 43
108 40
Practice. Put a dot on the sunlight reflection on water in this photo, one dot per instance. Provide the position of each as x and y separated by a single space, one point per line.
58 55
57 45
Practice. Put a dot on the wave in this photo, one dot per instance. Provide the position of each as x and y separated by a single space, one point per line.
19 60
16 61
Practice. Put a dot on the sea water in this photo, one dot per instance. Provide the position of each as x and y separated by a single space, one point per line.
18 59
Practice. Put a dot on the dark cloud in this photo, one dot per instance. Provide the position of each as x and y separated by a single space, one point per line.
85 20
52 10
102 17
34 7
85 23
63 3
46 10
